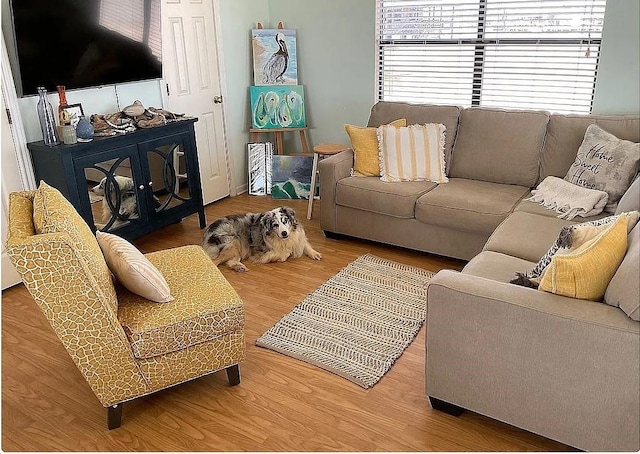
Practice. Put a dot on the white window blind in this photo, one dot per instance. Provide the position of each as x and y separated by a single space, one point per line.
520 54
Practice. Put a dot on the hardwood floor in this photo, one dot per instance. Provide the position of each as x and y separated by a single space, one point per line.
281 404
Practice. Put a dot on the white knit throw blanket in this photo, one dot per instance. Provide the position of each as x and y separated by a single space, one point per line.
568 199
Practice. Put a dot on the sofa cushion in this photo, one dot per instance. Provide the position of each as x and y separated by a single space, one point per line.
565 133
630 201
384 112
525 235
133 269
53 213
624 289
496 266
364 142
205 305
499 146
475 206
606 163
371 194
585 272
412 153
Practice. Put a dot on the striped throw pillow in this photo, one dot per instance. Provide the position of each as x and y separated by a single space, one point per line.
133 269
412 153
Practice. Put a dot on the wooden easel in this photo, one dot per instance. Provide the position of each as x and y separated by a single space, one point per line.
279 131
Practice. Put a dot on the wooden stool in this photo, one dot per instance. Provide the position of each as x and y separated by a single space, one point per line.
322 149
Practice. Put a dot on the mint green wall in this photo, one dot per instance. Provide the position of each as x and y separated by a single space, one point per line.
336 51
237 19
618 83
336 61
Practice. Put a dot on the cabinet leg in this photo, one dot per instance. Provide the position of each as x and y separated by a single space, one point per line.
203 221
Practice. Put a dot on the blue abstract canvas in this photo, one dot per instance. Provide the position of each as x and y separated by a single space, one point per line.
275 59
277 106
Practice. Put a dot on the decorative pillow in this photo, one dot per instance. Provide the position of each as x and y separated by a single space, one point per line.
585 272
412 153
606 163
133 269
570 238
364 142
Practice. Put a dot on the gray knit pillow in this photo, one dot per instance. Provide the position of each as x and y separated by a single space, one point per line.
606 163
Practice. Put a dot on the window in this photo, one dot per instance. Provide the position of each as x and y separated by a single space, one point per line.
520 54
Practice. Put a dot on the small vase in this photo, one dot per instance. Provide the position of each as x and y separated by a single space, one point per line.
47 119
84 129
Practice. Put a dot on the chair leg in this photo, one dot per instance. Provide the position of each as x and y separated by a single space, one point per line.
114 416
445 407
233 374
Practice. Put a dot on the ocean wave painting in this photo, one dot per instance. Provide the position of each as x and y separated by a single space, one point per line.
291 177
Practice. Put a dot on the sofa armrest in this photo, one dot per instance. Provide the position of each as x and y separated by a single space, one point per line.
331 170
534 359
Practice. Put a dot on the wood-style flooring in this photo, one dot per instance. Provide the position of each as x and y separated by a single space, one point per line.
281 404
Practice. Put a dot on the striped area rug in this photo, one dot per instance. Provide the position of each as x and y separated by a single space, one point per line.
358 322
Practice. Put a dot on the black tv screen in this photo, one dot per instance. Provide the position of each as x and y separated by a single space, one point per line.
85 43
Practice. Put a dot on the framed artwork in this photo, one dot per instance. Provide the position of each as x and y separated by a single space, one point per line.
277 106
291 177
73 112
259 163
275 57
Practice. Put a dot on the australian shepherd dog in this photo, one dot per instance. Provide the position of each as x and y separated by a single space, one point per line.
272 236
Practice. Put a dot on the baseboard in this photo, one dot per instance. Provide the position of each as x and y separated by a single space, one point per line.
242 189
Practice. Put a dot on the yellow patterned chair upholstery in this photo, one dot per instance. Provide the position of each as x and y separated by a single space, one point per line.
125 346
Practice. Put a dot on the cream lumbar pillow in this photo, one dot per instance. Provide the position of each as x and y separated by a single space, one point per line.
133 269
586 271
364 142
606 163
412 153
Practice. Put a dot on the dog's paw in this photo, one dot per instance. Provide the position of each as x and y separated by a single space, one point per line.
315 255
240 268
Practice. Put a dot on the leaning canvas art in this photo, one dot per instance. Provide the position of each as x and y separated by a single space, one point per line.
259 163
291 177
274 57
280 106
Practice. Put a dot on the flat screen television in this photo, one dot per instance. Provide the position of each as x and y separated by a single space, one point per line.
85 43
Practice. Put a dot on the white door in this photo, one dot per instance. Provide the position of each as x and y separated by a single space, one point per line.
191 71
10 182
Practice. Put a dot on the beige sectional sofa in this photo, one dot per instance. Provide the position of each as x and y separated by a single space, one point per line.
567 369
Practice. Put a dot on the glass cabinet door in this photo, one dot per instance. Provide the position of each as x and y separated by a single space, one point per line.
166 171
112 188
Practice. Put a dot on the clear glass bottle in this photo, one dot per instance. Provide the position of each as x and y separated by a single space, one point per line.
47 119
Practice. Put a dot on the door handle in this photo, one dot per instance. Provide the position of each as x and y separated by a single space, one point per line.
217 99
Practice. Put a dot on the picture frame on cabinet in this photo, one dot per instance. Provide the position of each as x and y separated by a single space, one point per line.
73 112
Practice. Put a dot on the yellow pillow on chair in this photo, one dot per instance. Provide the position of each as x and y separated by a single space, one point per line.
364 142
586 271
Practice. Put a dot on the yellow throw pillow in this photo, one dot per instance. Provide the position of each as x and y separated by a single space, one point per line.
133 269
364 142
585 272
412 153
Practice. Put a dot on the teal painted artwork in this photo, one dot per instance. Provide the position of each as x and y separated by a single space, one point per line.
291 177
277 106
275 59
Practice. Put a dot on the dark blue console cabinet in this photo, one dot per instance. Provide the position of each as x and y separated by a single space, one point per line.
128 184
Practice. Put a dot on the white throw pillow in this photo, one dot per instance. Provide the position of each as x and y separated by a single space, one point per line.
412 153
133 269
